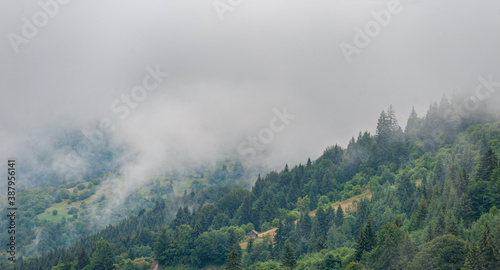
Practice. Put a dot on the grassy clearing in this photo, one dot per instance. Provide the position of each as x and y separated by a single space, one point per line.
62 211
347 206
185 184
261 237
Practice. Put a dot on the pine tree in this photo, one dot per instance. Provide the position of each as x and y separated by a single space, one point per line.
362 214
322 225
413 124
280 238
370 236
320 245
452 227
428 234
406 251
82 259
197 230
160 245
461 183
250 244
288 259
306 225
330 216
360 245
487 164
102 259
464 210
339 216
439 228
489 257
233 260
473 259
387 259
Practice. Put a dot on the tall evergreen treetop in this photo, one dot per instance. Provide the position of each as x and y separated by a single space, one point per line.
102 259
288 259
488 163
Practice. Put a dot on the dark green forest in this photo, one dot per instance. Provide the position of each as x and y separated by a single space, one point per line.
432 199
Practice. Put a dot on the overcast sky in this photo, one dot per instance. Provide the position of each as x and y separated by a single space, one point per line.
229 67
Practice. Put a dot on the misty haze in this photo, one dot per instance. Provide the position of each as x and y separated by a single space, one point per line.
235 134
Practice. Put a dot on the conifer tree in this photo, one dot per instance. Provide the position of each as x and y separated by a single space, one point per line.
250 244
233 260
464 210
306 225
102 258
322 225
489 257
439 228
339 216
452 227
370 236
406 251
387 259
82 259
473 259
197 230
288 259
320 244
487 164
360 245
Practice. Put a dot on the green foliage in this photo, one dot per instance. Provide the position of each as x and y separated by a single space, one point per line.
72 211
320 261
488 251
102 258
212 247
288 259
268 265
429 186
233 260
473 260
445 252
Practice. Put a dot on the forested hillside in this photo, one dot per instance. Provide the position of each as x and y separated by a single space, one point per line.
432 202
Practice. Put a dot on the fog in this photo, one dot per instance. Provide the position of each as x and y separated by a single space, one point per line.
177 84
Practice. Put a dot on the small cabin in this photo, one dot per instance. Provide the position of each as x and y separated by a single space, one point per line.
253 234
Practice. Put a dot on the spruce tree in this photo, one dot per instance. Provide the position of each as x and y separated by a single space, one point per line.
288 259
440 225
360 245
387 259
406 251
250 244
489 257
452 227
102 258
487 164
197 230
473 259
370 236
82 259
320 245
233 260
464 210
321 222
339 216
